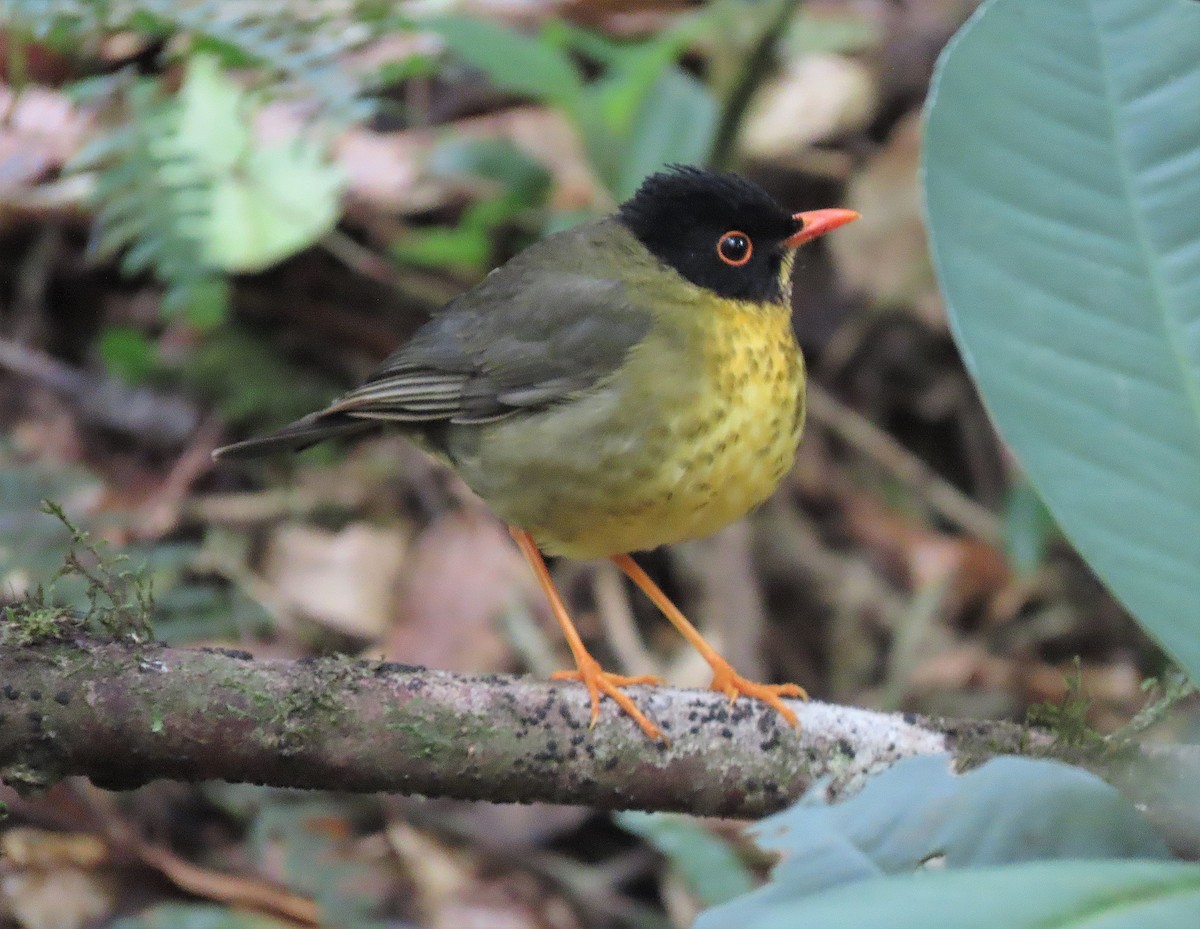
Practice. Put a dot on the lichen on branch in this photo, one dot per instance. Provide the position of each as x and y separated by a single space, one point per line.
123 713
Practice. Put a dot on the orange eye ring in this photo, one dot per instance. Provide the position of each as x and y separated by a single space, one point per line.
735 248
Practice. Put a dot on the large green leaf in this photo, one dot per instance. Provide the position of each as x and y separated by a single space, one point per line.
1062 176
709 866
1037 895
1008 810
675 123
517 62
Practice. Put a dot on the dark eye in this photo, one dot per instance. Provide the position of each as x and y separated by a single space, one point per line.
735 248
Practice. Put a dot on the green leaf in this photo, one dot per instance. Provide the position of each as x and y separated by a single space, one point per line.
127 353
674 124
512 61
305 840
1008 810
149 211
1037 895
281 200
709 867
212 126
265 202
205 301
632 70
465 248
1028 528
1062 177
495 159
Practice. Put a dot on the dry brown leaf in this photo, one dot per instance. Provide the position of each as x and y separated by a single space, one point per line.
817 97
59 898
966 667
452 893
344 580
54 880
473 914
1113 691
439 873
464 572
126 844
678 900
25 847
1117 683
499 829
915 555
385 170
884 255
49 431
40 130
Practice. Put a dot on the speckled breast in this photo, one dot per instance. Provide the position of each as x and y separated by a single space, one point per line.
703 463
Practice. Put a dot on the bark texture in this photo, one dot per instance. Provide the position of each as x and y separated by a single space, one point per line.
123 715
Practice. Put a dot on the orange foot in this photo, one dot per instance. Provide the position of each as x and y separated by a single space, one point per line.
598 681
733 685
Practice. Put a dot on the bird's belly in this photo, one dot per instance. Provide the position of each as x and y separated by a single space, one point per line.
627 477
730 464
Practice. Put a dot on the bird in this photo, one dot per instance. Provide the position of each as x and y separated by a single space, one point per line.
630 382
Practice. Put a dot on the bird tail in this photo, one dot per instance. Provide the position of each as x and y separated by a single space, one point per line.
311 429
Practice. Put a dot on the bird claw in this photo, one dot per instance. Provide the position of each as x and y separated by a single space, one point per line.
598 681
733 685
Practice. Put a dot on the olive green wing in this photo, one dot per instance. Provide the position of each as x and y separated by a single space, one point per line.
548 326
518 342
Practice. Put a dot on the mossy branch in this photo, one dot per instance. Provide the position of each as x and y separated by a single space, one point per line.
123 714
126 713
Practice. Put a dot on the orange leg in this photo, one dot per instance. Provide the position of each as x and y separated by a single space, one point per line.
725 679
587 668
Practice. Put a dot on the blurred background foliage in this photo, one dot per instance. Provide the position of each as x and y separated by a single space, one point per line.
215 214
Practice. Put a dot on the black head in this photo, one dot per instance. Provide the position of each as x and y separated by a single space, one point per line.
719 231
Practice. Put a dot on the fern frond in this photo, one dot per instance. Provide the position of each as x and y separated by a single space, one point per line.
185 190
151 204
299 45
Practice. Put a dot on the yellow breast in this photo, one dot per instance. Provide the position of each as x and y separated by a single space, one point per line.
703 456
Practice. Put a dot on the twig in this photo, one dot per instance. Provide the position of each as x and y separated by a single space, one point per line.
946 500
124 714
421 287
728 601
616 616
161 513
757 63
160 419
237 890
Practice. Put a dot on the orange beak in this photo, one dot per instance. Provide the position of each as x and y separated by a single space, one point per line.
816 223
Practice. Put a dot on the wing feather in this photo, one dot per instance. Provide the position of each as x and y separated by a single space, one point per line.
550 325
